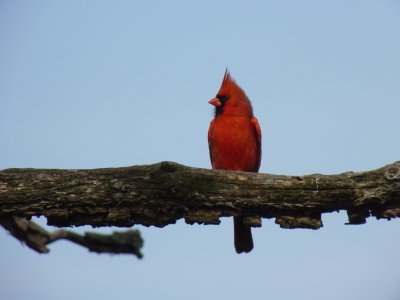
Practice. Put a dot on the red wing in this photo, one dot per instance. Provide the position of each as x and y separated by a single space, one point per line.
257 131
210 141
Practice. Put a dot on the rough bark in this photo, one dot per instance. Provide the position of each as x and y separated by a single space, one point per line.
162 193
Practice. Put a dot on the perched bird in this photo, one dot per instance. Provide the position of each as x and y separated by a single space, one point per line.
234 140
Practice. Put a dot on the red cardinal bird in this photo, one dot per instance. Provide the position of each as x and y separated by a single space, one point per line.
234 140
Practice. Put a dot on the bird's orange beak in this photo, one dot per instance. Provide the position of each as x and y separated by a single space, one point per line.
216 102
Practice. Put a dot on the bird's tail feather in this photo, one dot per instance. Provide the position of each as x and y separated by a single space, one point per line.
243 238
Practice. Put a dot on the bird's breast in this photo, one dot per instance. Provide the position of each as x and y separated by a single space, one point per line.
233 144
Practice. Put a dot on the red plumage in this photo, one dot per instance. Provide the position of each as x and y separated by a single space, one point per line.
234 140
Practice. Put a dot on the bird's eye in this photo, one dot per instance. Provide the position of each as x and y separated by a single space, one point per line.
223 99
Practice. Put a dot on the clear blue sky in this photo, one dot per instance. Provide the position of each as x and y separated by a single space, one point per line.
87 84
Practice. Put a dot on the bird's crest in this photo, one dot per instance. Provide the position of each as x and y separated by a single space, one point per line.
229 87
238 101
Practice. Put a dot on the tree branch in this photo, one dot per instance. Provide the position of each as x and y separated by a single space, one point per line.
162 193
37 238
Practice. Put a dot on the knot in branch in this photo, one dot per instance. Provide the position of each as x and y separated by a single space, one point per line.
392 172
168 166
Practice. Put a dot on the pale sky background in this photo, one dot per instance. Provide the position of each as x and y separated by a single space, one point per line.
88 84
